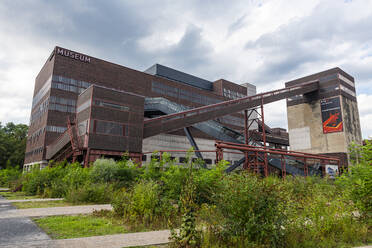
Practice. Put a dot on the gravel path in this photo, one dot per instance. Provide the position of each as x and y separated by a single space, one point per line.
31 200
41 212
107 241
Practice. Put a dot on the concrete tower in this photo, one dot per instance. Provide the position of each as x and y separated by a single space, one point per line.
325 122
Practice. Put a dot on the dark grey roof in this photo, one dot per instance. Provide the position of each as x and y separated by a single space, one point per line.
179 76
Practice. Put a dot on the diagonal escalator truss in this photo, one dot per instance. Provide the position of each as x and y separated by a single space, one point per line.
216 130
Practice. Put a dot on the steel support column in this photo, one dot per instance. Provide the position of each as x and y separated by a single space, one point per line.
192 142
266 173
246 162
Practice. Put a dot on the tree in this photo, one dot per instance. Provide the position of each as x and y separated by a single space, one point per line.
13 138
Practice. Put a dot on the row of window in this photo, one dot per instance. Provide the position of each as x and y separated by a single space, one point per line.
63 101
337 76
347 90
35 136
101 103
62 83
109 128
232 94
71 81
41 92
40 110
34 151
110 105
66 87
53 103
56 129
182 94
62 108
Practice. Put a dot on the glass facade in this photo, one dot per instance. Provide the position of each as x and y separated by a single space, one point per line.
183 94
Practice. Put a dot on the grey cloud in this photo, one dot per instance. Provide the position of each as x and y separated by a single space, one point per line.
189 53
309 40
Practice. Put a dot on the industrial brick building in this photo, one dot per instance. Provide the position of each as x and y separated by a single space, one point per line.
67 74
84 108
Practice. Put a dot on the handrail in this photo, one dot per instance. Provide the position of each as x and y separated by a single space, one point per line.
230 102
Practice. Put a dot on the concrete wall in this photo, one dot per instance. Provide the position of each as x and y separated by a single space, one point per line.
351 121
306 131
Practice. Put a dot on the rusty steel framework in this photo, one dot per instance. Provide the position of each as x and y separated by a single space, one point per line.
255 153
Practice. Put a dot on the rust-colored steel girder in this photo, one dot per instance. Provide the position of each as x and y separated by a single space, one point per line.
179 120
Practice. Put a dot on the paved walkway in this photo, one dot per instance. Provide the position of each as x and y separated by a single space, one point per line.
31 200
14 230
42 212
108 241
4 189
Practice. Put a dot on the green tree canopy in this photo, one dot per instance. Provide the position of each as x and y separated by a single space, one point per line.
13 139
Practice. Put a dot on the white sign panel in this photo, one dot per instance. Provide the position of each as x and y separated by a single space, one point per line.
331 170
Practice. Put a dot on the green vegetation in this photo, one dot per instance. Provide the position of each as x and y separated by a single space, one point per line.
213 209
41 204
65 227
19 195
12 145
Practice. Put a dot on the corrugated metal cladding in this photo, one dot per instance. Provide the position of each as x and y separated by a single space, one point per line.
169 73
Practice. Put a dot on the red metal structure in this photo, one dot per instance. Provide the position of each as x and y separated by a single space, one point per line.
254 153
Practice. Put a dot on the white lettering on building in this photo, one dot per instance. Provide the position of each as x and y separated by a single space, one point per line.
73 55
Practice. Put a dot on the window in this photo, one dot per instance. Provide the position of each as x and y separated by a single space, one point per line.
144 157
83 106
56 129
69 84
42 92
110 128
110 105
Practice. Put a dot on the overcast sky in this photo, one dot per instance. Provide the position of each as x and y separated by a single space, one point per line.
261 42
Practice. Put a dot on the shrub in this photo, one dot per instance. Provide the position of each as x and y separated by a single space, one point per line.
94 193
252 209
36 181
76 176
143 203
9 175
104 170
357 185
